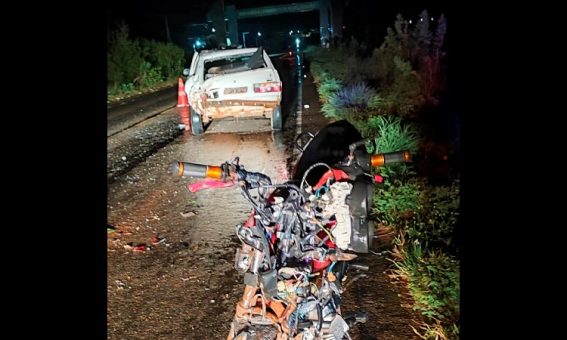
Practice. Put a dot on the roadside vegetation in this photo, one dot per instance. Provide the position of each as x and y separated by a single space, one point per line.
136 66
385 93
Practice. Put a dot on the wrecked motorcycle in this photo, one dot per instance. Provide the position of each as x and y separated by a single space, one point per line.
296 241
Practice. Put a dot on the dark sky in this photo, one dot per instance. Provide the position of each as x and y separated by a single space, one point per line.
365 19
368 20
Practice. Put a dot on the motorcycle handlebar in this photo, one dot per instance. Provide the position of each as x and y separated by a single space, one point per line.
390 157
196 170
254 179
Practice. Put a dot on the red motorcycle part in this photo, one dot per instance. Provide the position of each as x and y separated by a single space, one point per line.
251 221
339 175
208 183
318 266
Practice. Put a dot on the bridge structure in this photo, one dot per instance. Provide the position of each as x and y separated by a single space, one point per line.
225 18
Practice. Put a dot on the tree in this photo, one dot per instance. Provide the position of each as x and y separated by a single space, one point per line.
124 57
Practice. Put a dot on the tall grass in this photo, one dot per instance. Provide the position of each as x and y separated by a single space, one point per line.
391 134
328 87
396 201
433 280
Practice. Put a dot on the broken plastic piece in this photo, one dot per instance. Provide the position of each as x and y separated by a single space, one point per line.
139 248
188 214
337 174
157 240
208 183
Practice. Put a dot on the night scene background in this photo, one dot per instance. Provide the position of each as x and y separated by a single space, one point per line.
395 78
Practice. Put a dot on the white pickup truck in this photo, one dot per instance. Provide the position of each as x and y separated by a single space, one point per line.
236 82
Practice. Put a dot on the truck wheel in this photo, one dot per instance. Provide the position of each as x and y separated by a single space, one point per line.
277 118
196 123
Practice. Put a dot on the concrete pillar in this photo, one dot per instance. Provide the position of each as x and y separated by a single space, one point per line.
216 15
324 21
230 14
338 11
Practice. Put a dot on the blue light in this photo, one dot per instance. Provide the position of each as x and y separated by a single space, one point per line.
198 44
297 42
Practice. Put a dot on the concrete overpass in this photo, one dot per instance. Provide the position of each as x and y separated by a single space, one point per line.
330 16
257 12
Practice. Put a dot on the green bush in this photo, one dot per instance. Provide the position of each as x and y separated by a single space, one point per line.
352 102
425 218
396 201
408 65
316 69
403 97
344 62
407 71
424 213
434 283
124 58
127 87
167 58
148 75
390 134
328 87
401 86
438 216
139 64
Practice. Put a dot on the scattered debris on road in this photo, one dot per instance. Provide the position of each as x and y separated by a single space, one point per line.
188 214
